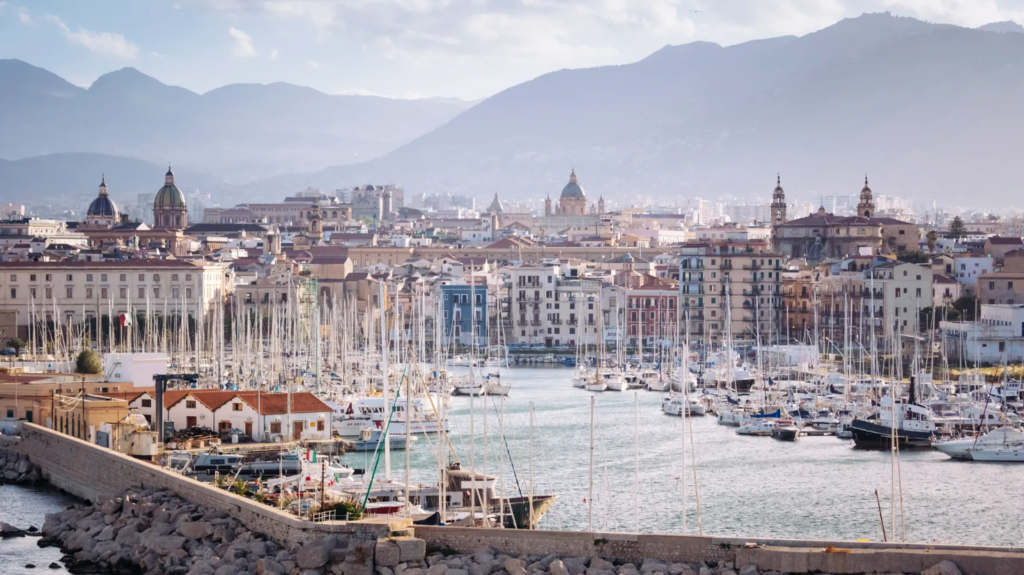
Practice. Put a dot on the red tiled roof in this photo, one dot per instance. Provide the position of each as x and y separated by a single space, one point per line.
999 241
277 403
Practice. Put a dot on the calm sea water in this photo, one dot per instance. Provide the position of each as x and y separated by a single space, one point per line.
24 507
819 487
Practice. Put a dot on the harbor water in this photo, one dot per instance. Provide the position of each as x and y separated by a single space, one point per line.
25 507
816 488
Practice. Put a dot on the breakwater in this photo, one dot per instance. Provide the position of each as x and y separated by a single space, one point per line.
121 491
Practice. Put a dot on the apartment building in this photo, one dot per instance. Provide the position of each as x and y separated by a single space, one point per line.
464 314
905 289
742 294
75 291
539 310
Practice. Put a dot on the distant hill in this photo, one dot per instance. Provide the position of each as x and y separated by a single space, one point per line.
241 131
929 111
1007 26
71 180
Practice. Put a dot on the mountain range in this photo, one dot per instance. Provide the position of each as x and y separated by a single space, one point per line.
239 131
926 110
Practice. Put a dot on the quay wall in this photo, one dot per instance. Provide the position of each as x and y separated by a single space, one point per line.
782 555
95 473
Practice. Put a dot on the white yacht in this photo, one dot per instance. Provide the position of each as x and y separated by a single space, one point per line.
676 405
987 445
757 426
653 380
614 382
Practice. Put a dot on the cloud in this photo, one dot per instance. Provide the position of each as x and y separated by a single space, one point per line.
103 43
242 46
315 65
24 16
273 54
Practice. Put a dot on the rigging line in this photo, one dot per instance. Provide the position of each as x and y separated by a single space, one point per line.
504 439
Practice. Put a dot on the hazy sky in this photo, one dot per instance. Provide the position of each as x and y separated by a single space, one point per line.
408 48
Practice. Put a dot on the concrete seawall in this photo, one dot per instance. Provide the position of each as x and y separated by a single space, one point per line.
782 555
96 474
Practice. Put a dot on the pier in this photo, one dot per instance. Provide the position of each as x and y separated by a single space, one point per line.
99 475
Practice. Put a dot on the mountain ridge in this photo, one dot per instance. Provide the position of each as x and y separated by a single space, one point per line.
905 100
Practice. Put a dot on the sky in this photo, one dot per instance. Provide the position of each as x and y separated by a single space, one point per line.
468 49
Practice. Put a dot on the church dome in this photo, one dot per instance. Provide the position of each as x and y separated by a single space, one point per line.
573 190
102 206
169 196
865 192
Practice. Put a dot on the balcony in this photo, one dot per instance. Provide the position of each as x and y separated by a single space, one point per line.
535 322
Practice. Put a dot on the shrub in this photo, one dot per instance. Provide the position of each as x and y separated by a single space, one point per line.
89 362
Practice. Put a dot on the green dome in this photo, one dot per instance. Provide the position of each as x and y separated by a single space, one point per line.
169 196
572 189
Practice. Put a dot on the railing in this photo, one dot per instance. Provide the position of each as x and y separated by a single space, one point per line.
324 516
535 322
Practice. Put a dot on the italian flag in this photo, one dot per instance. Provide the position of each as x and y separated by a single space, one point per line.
126 319
311 455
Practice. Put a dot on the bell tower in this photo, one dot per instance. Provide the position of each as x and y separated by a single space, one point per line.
778 203
866 207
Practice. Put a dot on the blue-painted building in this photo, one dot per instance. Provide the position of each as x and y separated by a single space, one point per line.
462 308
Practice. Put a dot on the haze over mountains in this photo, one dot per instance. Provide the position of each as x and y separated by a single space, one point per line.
239 131
927 110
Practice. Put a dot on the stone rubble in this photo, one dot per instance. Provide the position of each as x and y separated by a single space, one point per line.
16 468
155 532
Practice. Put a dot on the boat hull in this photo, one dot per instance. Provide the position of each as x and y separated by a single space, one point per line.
516 514
874 436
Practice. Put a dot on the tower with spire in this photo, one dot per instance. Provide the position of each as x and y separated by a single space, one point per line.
778 203
547 206
866 207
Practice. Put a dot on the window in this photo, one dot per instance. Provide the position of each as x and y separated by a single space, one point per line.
156 277
88 293
320 425
190 404
123 292
32 277
175 293
236 407
188 293
10 414
188 277
103 277
49 293
156 293
88 277
275 427
124 277
14 293
991 285
1009 285
142 277
14 277
68 292
49 277
174 277
147 403
69 277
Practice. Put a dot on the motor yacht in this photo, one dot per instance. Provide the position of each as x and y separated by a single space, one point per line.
965 448
758 427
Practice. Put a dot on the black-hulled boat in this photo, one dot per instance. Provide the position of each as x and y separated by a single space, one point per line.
786 430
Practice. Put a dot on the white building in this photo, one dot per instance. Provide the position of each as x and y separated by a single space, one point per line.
264 417
996 338
907 289
73 289
967 269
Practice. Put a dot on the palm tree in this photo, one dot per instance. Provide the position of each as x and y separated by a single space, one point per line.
18 344
933 240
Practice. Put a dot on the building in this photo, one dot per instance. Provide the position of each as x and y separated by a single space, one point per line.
1005 288
572 202
824 235
464 314
102 212
64 291
906 289
169 209
741 296
997 247
536 306
945 290
264 417
967 269
996 338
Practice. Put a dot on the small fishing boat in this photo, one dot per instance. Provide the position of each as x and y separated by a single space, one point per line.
786 430
370 438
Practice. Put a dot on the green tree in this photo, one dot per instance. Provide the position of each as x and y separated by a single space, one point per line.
933 240
914 257
965 306
957 228
18 344
89 362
